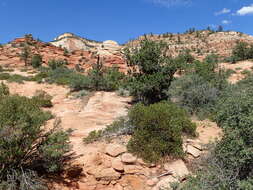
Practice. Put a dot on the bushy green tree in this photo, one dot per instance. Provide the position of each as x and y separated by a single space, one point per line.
158 130
96 75
26 55
151 71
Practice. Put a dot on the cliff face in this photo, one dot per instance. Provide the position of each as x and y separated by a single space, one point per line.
73 43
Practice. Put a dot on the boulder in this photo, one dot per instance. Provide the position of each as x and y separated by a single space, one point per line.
178 168
115 150
117 165
107 174
128 158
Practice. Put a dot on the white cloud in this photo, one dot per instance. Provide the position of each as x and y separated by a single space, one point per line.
169 3
223 11
226 22
247 10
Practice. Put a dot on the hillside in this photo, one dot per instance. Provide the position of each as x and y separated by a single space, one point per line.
83 52
200 43
98 111
75 51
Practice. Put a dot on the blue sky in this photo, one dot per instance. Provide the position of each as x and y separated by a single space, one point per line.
119 20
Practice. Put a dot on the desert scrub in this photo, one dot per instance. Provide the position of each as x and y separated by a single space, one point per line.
158 130
121 126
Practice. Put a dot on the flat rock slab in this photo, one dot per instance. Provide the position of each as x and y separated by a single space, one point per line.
115 150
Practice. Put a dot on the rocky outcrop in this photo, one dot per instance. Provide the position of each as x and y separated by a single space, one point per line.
74 43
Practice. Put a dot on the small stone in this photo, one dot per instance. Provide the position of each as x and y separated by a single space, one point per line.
152 182
115 150
165 183
117 165
128 158
113 182
193 151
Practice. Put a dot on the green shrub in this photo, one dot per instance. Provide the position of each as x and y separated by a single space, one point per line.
24 145
54 64
36 61
232 109
42 99
194 94
242 51
158 130
4 90
113 79
79 82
